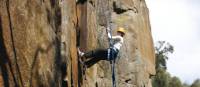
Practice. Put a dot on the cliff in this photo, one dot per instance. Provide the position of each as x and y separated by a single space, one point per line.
39 39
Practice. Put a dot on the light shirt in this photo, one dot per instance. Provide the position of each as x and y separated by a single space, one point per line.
118 41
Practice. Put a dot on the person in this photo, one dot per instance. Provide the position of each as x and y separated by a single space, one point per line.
103 54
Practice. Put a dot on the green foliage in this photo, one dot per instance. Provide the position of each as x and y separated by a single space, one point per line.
162 50
175 82
185 85
162 77
196 83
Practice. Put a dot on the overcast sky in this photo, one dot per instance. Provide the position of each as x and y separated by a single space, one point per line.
178 22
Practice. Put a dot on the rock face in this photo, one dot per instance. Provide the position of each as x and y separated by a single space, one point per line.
39 39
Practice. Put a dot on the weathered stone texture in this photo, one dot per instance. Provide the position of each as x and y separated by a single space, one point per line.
38 41
136 58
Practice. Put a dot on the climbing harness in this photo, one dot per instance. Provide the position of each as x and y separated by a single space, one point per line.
110 50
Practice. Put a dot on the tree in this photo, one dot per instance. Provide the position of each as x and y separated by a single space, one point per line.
175 82
162 78
196 83
162 50
186 85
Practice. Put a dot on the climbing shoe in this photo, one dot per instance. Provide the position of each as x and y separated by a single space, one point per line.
80 53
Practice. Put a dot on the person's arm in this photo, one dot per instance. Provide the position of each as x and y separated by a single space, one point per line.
113 37
116 37
109 35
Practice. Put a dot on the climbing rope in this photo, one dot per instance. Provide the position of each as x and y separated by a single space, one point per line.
111 57
110 51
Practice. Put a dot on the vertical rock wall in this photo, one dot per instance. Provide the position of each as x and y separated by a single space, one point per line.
136 59
38 40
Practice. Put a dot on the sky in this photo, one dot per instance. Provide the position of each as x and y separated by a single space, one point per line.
178 22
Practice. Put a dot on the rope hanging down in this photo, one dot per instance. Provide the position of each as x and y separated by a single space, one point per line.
110 51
